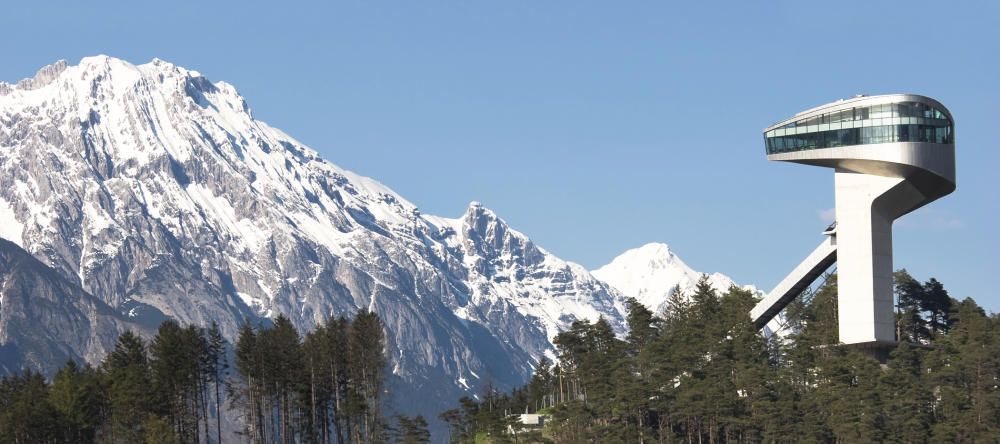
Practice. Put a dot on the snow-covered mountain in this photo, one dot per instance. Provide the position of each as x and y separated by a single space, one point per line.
156 191
649 273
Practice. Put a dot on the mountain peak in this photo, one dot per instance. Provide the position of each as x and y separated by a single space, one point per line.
481 224
103 62
97 60
42 77
103 66
477 210
654 255
652 249
648 273
94 75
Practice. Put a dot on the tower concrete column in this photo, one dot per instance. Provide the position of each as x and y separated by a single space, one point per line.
864 255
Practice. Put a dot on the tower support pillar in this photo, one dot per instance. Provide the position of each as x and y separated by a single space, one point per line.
866 206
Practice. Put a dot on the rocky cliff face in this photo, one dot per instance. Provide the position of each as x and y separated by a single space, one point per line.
156 191
46 319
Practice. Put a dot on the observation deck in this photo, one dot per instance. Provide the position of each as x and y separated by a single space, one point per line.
891 154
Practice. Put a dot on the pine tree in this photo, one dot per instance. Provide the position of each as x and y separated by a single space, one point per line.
909 400
247 391
964 370
335 345
77 395
678 306
126 371
219 364
642 328
461 421
283 365
129 350
313 394
412 430
705 299
937 304
26 415
911 326
367 366
540 388
176 369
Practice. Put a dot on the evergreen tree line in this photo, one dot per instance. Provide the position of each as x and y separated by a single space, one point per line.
325 387
703 374
165 391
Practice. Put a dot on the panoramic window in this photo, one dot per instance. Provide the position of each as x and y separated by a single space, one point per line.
884 123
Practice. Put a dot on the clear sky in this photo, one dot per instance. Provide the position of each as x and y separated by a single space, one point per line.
593 127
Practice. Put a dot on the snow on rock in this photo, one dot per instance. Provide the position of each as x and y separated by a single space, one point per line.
649 273
152 186
10 228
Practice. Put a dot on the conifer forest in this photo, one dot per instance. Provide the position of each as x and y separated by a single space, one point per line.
700 373
326 386
703 374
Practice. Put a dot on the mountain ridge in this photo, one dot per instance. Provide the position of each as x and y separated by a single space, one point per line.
170 200
170 197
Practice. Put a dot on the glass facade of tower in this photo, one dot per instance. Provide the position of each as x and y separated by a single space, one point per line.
890 122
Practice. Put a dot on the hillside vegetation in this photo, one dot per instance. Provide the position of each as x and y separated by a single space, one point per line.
703 374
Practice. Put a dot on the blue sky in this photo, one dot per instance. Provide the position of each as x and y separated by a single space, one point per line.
593 127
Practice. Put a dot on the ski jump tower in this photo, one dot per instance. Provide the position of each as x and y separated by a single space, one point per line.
891 154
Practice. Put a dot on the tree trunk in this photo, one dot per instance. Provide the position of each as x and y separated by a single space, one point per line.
312 395
218 415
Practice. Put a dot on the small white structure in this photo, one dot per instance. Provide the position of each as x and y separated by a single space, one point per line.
891 154
527 422
532 420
